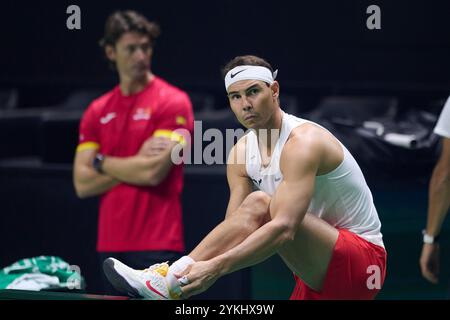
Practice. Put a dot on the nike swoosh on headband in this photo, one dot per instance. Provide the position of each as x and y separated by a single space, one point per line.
233 75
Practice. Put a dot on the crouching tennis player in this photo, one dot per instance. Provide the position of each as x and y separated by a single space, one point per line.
313 207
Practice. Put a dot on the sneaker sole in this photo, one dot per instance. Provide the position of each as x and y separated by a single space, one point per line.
118 282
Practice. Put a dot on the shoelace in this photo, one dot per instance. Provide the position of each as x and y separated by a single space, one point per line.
161 268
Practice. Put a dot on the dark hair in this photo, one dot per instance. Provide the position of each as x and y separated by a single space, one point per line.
121 22
245 60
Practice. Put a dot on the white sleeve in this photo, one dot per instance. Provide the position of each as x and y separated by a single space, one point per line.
443 125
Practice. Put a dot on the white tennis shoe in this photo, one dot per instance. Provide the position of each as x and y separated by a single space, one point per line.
149 283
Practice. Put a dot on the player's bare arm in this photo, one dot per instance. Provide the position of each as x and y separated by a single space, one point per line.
439 203
238 181
439 191
300 161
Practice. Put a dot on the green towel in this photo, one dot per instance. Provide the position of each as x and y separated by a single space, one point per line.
41 273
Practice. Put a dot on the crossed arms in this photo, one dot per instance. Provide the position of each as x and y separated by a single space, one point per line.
148 167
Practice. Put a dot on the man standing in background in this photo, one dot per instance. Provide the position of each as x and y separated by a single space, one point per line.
438 202
125 142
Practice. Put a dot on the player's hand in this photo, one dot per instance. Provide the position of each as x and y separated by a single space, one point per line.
197 278
429 262
154 146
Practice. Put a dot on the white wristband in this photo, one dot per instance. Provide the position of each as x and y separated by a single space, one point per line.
428 239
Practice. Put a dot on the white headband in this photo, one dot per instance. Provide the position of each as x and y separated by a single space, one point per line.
249 73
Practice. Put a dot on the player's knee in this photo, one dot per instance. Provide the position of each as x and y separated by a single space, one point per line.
258 201
256 206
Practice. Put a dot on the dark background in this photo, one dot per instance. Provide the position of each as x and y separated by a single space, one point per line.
321 48
321 45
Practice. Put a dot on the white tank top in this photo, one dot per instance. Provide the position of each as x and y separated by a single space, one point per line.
341 197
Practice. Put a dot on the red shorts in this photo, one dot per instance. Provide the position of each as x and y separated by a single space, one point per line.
356 271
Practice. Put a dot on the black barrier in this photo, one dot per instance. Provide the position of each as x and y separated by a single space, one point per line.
41 215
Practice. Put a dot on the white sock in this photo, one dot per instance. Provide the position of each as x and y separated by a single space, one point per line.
177 267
